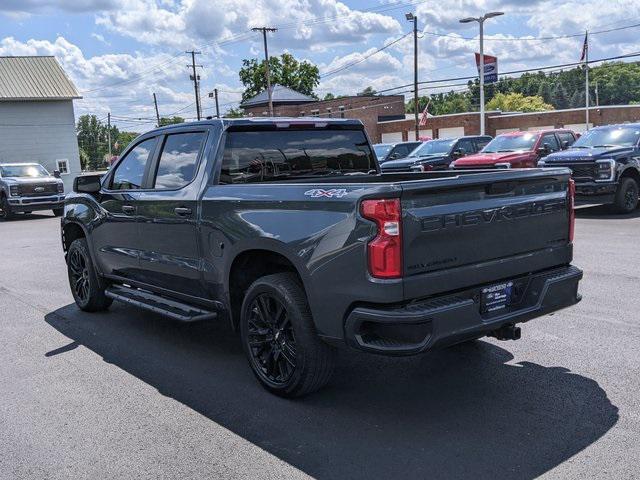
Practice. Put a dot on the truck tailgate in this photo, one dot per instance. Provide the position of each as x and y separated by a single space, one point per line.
483 218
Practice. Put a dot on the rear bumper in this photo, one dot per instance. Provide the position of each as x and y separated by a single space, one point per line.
595 193
30 204
449 319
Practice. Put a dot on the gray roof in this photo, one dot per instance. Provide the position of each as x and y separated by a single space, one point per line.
279 95
34 78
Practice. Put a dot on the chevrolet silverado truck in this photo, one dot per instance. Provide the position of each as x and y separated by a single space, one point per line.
518 149
28 187
605 164
436 154
286 229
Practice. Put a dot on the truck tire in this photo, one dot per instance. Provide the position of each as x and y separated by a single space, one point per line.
5 209
86 287
626 196
58 212
279 337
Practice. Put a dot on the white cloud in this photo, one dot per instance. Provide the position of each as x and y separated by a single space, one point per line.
191 22
44 6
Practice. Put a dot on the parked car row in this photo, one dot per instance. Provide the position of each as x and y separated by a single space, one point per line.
605 161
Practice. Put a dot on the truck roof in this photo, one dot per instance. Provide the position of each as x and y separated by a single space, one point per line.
227 122
14 164
618 125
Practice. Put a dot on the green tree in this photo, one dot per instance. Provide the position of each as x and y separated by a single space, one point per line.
92 141
170 120
559 97
329 96
516 102
234 113
285 70
367 92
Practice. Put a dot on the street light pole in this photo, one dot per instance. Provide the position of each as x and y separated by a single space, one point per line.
482 126
481 21
411 17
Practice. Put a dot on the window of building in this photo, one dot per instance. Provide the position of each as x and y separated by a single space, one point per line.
341 109
178 160
129 173
63 166
315 113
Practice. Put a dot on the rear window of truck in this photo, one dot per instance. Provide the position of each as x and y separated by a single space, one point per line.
275 155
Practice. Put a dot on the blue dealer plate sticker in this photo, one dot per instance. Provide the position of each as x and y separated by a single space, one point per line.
496 297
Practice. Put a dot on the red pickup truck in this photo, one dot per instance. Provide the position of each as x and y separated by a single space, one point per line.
518 149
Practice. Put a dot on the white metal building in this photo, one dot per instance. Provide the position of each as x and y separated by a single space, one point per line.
37 122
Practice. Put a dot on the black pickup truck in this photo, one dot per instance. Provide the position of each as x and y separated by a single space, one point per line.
605 164
287 229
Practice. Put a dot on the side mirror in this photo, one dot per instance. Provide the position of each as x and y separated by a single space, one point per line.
56 173
545 149
87 184
459 152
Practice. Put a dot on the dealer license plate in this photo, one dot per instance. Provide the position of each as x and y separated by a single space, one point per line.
496 297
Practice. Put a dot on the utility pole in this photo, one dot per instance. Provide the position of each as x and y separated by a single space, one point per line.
481 21
214 95
264 31
597 95
155 103
586 80
196 80
109 134
412 18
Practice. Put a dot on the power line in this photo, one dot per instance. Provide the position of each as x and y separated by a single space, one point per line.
351 64
531 39
525 70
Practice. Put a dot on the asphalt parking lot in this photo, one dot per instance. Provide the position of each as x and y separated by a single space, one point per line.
128 394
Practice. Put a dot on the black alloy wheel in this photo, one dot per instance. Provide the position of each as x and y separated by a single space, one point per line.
279 337
626 199
87 288
79 275
271 340
630 198
5 209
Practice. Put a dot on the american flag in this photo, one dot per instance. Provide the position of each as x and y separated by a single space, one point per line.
423 119
585 47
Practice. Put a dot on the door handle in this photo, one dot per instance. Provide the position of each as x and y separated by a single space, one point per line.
128 209
182 211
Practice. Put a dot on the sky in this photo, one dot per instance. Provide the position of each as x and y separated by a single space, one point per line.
119 52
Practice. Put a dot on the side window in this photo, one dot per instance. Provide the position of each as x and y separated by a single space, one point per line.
566 137
400 151
467 145
178 160
481 143
129 173
551 139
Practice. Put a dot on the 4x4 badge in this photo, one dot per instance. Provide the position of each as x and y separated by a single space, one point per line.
321 193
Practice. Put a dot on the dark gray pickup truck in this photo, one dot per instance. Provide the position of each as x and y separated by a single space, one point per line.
287 229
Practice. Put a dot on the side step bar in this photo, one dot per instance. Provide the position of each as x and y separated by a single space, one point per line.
155 303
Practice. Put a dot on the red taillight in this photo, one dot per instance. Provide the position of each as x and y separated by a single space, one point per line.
571 200
385 250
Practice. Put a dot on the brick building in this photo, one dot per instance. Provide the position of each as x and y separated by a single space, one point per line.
497 122
371 110
385 119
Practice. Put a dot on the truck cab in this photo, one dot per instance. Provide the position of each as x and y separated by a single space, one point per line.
605 165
